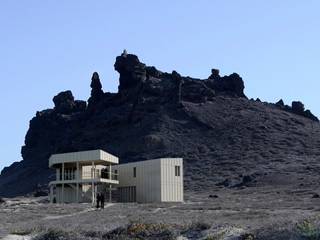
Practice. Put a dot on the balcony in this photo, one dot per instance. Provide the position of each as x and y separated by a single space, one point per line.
88 175
99 174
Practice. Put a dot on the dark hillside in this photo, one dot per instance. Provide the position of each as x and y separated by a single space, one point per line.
225 138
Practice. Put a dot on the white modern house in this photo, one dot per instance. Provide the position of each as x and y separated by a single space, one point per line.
81 175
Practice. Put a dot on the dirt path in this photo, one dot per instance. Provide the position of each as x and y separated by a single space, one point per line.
51 217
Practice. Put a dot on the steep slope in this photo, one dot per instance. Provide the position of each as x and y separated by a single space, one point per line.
224 138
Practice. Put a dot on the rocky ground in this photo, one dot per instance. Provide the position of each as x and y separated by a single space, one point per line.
221 214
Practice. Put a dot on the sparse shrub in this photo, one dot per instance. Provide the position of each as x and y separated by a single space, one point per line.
21 232
247 236
199 226
54 235
219 236
195 229
142 231
308 230
2 200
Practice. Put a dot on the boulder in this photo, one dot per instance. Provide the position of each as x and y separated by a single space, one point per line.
215 74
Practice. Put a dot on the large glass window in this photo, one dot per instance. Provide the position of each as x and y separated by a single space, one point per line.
134 172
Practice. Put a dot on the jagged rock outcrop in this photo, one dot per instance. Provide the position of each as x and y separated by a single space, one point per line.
96 89
297 107
131 70
64 103
280 103
221 135
231 85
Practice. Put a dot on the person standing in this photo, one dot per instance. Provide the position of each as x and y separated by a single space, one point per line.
98 200
102 200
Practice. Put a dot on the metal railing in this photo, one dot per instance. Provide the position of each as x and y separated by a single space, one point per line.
104 174
99 174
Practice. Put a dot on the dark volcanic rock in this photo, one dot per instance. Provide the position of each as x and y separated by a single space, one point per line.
210 123
280 103
297 107
231 85
131 70
65 104
96 89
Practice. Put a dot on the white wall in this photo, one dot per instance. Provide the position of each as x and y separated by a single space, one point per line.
147 180
155 179
171 185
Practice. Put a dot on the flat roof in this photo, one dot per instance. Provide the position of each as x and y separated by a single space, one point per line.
85 157
151 160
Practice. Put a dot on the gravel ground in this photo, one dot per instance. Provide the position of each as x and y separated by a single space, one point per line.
252 210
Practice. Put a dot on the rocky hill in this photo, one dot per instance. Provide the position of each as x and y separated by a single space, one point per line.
225 138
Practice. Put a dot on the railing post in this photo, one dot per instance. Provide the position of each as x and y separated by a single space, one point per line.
92 184
62 192
77 179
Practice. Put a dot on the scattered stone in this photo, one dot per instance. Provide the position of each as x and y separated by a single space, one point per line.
213 196
315 195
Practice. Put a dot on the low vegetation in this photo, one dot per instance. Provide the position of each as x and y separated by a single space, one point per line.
308 230
21 232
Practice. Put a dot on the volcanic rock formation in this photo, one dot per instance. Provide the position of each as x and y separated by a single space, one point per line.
224 138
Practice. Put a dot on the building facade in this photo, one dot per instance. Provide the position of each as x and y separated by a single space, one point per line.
158 180
80 176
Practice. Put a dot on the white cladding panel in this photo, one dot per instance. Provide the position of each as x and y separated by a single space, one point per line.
147 180
155 180
171 185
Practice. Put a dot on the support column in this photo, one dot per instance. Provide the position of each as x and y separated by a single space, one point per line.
92 184
51 193
110 172
77 185
62 189
110 189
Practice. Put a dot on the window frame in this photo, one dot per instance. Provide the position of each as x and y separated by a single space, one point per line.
177 171
134 172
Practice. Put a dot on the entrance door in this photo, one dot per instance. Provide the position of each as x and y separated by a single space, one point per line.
127 194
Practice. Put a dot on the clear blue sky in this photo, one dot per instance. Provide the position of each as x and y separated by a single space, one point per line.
50 46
